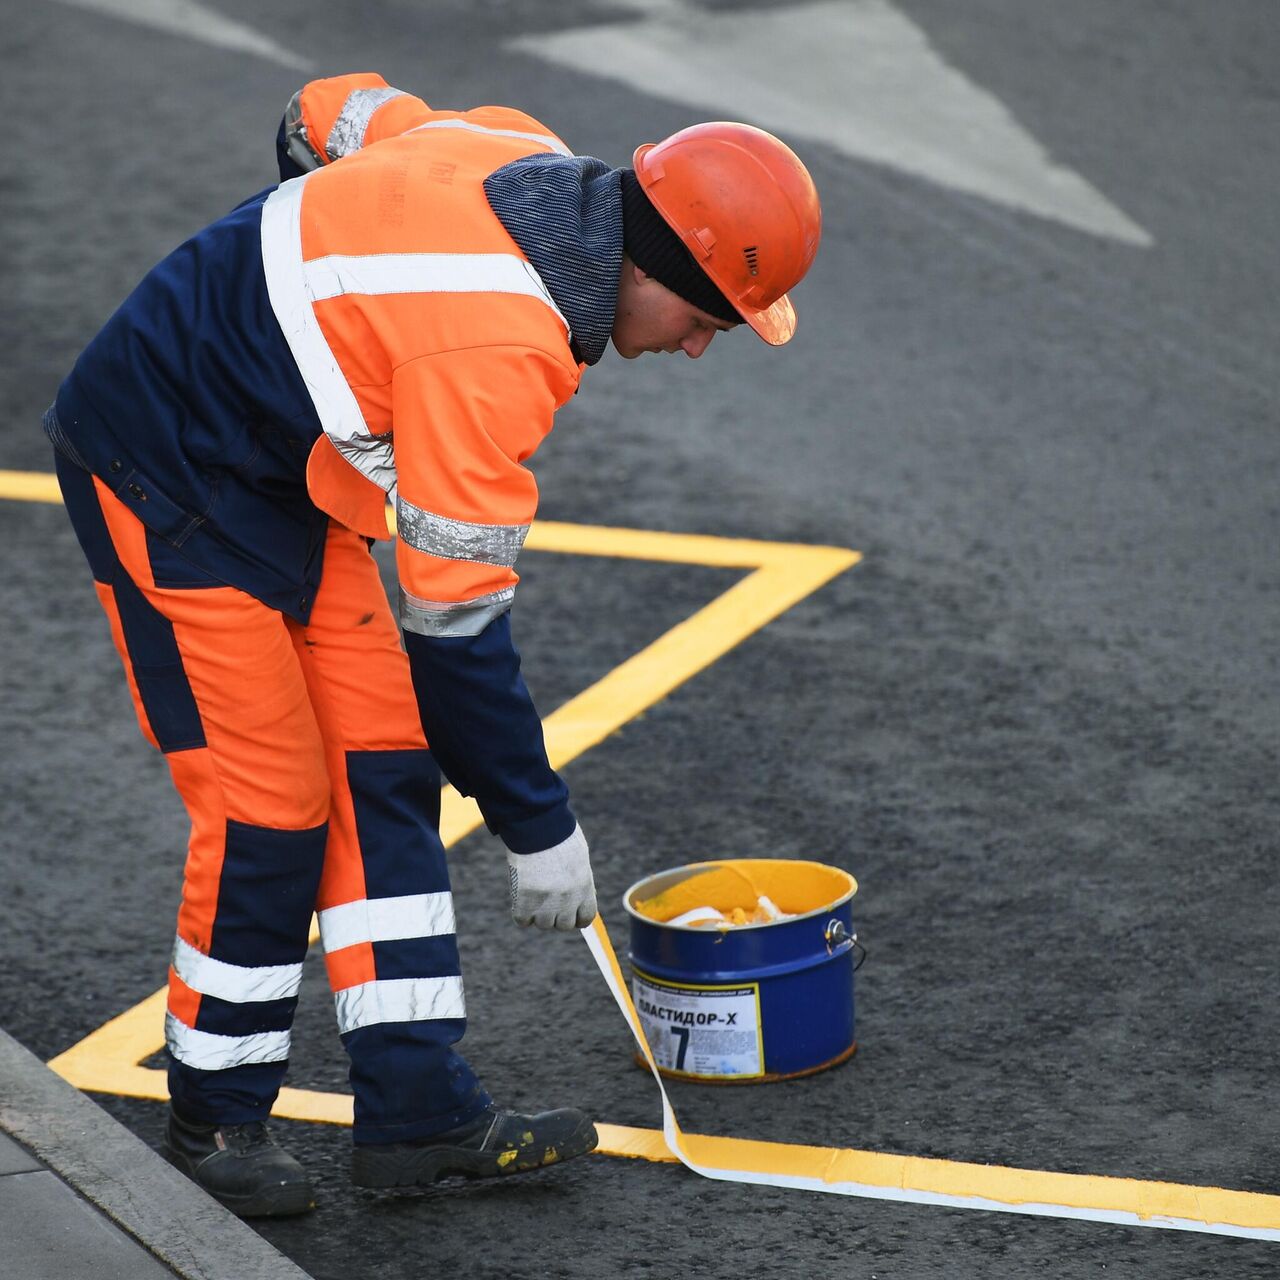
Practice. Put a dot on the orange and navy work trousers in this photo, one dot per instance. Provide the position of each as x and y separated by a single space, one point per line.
299 754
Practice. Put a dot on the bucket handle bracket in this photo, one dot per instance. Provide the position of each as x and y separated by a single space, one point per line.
840 940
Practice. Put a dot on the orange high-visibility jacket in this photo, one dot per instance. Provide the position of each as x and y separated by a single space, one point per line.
372 330
435 355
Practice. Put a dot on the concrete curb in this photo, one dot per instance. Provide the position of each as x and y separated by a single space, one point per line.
167 1213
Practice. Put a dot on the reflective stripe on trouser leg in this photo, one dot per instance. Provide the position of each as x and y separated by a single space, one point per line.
386 911
231 1008
217 687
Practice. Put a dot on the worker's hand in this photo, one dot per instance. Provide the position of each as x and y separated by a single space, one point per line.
554 889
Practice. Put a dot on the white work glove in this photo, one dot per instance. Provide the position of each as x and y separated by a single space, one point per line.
553 889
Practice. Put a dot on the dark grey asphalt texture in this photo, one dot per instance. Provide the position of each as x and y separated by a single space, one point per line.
1040 723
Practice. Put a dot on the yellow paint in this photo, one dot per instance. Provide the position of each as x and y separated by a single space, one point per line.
991 1182
633 1144
84 1066
506 1157
954 1178
29 486
1087 1193
726 887
736 884
106 1060
110 1055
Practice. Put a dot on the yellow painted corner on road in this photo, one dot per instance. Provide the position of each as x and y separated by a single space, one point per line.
112 1067
780 575
777 576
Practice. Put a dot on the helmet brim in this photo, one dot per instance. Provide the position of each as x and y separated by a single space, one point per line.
775 324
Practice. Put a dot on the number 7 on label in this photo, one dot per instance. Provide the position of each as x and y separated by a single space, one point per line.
681 1034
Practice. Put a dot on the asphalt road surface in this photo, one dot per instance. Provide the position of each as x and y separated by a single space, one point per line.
1034 383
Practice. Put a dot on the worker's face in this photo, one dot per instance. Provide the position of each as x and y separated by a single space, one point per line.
650 318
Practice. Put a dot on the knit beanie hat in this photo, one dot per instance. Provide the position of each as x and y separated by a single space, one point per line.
658 251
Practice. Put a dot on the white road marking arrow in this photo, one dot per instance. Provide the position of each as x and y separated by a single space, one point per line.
857 75
187 18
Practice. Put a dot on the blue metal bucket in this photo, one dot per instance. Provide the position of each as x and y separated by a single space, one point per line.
754 1002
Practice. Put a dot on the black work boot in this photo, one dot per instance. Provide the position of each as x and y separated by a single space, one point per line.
497 1142
240 1166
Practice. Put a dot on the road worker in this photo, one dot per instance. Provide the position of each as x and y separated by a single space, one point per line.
397 322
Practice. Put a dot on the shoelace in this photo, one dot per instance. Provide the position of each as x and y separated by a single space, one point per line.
243 1138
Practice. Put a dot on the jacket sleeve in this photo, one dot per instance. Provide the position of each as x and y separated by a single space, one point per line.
465 421
330 118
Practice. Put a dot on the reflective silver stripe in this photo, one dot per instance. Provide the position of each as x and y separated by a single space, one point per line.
458 539
208 1052
468 618
347 134
294 285
542 139
238 983
381 273
399 1000
373 456
415 915
335 402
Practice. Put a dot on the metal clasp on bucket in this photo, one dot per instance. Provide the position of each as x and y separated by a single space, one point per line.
840 940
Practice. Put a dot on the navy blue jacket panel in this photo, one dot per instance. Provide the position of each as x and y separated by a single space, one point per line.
189 405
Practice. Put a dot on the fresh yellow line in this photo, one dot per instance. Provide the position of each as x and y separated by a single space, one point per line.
557 536
687 648
29 486
107 1059
955 1179
920 1180
898 1177
781 575
674 548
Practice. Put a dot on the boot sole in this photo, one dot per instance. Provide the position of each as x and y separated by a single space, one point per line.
280 1200
382 1167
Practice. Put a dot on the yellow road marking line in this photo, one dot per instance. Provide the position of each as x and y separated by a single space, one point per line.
29 486
957 1183
781 575
918 1180
107 1060
784 574
876 1175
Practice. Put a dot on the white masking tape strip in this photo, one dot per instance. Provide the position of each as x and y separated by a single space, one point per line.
912 1180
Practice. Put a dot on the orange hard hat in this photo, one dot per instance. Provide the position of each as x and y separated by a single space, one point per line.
746 208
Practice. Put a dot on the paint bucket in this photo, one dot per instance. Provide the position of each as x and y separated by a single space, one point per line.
753 1002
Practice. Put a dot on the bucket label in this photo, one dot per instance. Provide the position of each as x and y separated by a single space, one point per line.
701 1031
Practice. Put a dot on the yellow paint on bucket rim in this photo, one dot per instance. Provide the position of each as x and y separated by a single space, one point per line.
796 886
